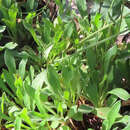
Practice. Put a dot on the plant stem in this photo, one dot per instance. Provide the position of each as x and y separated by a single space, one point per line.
75 128
93 34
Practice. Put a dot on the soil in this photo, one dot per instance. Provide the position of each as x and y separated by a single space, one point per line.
89 121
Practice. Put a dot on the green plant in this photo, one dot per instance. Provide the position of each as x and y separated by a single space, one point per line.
9 17
67 62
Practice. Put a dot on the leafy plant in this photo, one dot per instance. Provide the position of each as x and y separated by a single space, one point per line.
64 69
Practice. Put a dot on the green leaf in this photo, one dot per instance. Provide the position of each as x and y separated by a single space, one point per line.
55 124
44 94
42 127
66 95
38 102
127 19
10 19
5 117
127 127
33 33
47 51
12 125
30 4
78 116
2 28
60 108
12 109
46 31
6 3
125 119
92 94
22 66
20 91
105 125
31 73
3 10
121 93
110 53
91 57
2 103
30 53
68 29
31 92
110 76
39 80
85 109
58 35
111 100
26 99
18 123
10 80
10 61
29 17
9 46
102 112
67 74
36 114
113 114
116 9
24 116
53 79
82 7
4 88
60 5
75 82
72 111
64 128
97 21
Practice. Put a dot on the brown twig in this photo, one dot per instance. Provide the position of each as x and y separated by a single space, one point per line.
71 122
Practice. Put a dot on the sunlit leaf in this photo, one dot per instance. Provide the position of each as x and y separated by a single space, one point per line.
22 67
18 123
39 80
9 45
24 116
113 114
121 93
2 28
47 51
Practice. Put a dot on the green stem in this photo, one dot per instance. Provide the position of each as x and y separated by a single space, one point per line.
93 34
